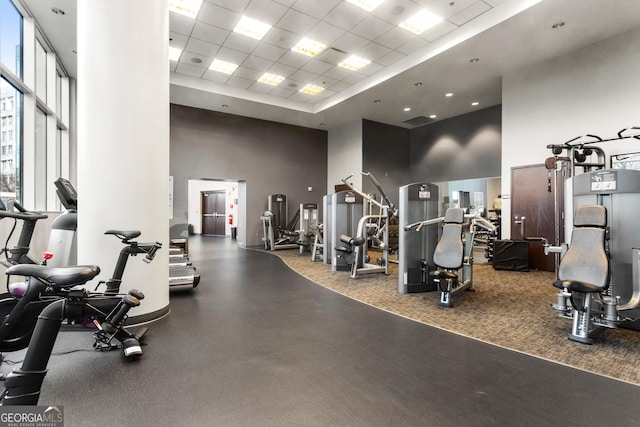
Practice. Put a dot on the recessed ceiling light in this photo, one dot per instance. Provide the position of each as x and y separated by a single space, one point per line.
558 25
188 8
311 89
407 109
57 11
474 60
448 95
222 66
252 28
418 84
174 53
354 63
377 101
323 124
474 103
224 106
271 79
196 60
367 5
433 116
420 22
308 47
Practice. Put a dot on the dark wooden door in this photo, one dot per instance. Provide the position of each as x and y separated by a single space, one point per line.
533 191
213 213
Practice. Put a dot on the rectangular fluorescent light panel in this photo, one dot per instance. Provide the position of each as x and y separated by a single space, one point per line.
420 22
354 63
223 66
367 5
311 89
252 28
188 8
308 47
174 53
271 79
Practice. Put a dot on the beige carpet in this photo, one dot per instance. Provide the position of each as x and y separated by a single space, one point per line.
508 309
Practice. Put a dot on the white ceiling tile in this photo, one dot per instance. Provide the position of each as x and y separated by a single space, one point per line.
391 58
339 86
346 16
324 95
282 92
412 46
281 70
350 43
266 11
371 69
326 32
494 3
231 55
447 8
201 47
247 73
177 40
371 28
180 23
257 63
240 42
218 16
191 59
294 59
235 5
239 82
303 76
172 66
324 81
317 67
299 96
317 9
189 70
396 11
395 37
294 85
209 33
261 87
373 51
469 13
443 28
215 76
332 56
354 77
296 22
338 73
269 51
282 38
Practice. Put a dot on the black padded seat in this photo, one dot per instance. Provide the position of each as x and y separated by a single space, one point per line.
443 274
127 234
61 277
585 266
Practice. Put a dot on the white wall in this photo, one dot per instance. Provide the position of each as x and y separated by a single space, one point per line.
344 155
594 90
195 187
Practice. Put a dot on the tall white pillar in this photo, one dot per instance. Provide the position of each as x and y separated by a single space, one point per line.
123 140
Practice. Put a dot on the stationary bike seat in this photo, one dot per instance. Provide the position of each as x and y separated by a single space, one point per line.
124 234
57 276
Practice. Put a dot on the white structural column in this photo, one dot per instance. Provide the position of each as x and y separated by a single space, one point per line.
123 140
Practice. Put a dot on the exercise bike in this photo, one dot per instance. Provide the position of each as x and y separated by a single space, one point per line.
23 385
21 305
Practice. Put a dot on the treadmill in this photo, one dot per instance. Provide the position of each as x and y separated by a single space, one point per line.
181 275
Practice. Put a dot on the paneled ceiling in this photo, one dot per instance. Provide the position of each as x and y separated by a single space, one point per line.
465 55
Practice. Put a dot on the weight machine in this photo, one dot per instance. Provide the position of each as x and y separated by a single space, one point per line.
616 303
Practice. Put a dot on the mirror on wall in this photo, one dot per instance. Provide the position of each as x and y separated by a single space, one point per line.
474 195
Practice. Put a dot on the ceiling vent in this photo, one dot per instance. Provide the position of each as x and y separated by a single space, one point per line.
418 121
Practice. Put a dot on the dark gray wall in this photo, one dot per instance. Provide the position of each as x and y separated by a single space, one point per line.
272 158
463 147
386 155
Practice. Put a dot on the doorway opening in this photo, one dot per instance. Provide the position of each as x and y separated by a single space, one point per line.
217 207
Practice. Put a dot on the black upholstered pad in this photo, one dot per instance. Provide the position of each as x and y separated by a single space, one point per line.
57 276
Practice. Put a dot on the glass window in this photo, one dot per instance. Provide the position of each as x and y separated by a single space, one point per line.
11 37
10 153
41 72
41 160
